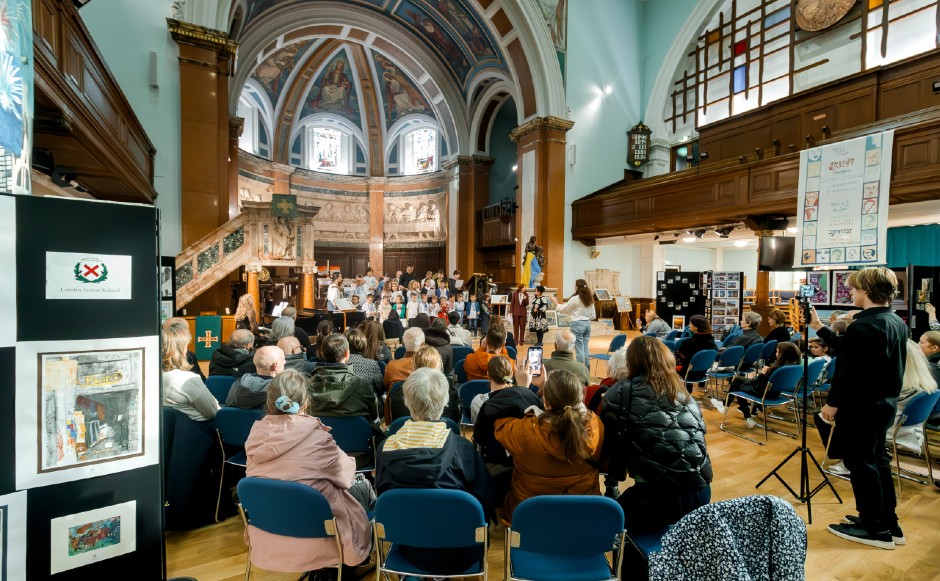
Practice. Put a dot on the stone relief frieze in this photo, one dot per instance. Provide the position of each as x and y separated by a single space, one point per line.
415 218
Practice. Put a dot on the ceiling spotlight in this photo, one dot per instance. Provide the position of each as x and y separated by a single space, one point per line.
655 238
724 232
700 233
689 239
515 167
740 243
793 229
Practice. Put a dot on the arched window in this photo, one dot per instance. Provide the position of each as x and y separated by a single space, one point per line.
420 151
328 150
328 143
254 109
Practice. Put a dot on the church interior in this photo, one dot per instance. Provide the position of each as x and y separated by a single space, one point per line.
293 151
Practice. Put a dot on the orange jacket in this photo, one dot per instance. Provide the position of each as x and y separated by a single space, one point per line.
476 363
539 460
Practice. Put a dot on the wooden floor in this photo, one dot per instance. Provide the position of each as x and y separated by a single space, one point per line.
218 552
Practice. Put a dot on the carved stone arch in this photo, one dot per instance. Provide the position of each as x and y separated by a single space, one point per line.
484 113
234 27
340 17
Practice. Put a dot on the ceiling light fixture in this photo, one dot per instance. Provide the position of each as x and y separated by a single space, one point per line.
724 232
608 89
740 243
793 229
689 239
655 238
700 233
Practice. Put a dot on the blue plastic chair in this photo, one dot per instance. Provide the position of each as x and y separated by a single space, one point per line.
697 369
830 372
730 357
353 435
813 373
468 391
751 356
769 352
219 386
915 414
399 422
616 343
234 425
461 352
678 343
460 372
382 365
397 523
651 334
564 538
784 380
796 337
512 352
400 352
670 344
262 502
671 335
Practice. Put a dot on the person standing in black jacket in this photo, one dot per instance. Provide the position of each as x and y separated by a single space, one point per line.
656 432
863 401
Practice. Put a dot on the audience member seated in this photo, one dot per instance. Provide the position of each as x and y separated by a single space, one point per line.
659 437
425 357
298 332
778 327
787 354
918 379
367 369
564 356
376 348
458 335
335 391
493 343
183 389
749 335
508 398
400 369
425 453
616 371
930 346
556 451
655 324
250 390
324 330
235 358
280 328
832 334
288 444
819 349
700 340
294 357
437 336
190 356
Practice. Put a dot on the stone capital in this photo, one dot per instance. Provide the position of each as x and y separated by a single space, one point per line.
254 267
193 34
549 123
235 126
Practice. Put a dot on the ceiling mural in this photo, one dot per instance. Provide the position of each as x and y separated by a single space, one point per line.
335 91
274 70
400 96
450 28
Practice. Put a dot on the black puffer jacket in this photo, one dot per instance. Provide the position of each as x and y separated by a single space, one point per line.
655 440
440 340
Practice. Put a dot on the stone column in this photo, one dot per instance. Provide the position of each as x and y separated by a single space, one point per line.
541 193
377 225
253 288
206 60
471 176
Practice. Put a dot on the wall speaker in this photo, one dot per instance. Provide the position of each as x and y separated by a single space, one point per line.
153 71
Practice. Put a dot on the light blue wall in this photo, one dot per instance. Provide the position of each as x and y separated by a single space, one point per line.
690 259
745 261
503 151
126 32
603 49
662 20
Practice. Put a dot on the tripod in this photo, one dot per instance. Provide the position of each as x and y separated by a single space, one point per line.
806 494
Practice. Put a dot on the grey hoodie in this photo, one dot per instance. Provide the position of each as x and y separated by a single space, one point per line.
249 391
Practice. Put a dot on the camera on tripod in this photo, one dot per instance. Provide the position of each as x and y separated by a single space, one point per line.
807 291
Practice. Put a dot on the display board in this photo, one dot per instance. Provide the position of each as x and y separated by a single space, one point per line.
81 386
843 202
725 300
679 295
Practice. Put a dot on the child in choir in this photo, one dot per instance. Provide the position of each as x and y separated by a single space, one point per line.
456 305
369 308
401 308
423 303
473 314
445 308
411 309
385 309
485 310
443 290
434 308
355 302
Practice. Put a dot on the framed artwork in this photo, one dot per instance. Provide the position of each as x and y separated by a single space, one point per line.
602 294
166 282
900 300
92 536
85 408
841 295
13 537
552 318
678 322
821 280
623 304
672 268
166 310
499 299
562 319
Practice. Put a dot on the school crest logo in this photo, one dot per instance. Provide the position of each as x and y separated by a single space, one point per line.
91 270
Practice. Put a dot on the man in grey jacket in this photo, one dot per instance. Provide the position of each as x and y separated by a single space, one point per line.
251 390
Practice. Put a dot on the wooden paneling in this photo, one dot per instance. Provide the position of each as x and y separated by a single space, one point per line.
501 264
424 259
496 232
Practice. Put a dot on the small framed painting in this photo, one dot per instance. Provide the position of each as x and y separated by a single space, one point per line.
678 322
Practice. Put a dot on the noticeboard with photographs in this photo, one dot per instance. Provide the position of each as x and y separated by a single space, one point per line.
725 300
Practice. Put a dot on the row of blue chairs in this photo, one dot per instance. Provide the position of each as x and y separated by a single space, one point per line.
539 545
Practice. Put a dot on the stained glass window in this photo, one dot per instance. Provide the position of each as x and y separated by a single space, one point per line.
420 151
327 151
752 53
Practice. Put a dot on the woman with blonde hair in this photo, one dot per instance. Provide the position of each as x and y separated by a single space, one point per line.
656 431
918 379
580 311
183 389
288 444
555 451
245 315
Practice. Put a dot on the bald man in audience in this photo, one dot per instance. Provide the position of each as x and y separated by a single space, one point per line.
294 357
190 356
251 390
235 358
564 356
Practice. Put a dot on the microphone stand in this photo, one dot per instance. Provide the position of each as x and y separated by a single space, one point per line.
806 493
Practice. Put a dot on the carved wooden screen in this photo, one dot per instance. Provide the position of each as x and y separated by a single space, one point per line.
753 52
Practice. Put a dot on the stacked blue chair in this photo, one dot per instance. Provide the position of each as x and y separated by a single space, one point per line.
616 343
468 391
219 386
564 538
783 380
234 425
262 502
354 436
446 519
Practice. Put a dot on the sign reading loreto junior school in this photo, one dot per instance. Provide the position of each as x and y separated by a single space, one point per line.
843 202
76 275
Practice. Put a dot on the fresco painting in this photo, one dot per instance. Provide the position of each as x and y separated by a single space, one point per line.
400 95
334 91
272 73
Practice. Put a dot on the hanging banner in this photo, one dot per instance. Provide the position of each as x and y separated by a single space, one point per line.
843 203
16 96
208 333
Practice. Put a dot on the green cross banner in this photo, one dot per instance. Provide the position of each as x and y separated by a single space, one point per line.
284 206
208 336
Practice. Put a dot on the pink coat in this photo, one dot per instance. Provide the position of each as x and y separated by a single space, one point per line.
299 448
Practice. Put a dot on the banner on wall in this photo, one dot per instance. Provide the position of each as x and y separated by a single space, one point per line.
208 336
843 202
16 96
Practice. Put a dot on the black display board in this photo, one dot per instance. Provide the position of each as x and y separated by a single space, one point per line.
923 286
679 294
725 300
65 225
